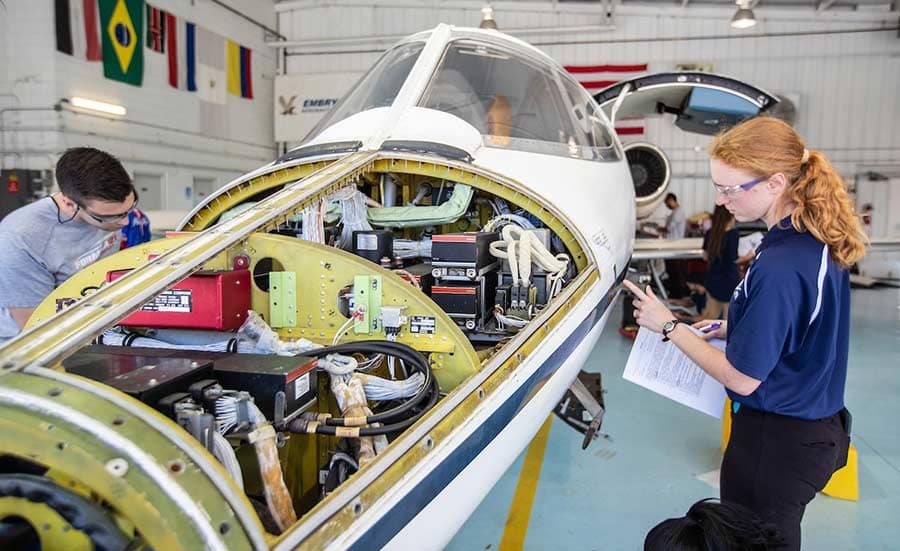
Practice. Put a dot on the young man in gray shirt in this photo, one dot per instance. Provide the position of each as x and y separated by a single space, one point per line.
46 242
676 224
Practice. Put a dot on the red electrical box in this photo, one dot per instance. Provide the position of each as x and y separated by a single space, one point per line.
205 300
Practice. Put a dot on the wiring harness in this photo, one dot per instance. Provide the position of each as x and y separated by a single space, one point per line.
393 420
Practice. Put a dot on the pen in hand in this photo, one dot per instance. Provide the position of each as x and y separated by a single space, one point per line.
711 327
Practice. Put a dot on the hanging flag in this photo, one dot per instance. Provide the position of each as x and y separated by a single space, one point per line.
63 27
239 79
210 80
76 29
210 70
597 77
91 28
156 29
233 50
190 56
123 58
174 37
246 74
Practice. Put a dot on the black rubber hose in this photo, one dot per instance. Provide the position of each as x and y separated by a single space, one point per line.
398 350
84 515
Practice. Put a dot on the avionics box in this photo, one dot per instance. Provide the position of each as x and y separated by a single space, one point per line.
468 251
205 300
263 376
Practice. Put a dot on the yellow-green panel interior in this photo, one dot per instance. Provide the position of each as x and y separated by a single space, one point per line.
60 444
247 190
321 274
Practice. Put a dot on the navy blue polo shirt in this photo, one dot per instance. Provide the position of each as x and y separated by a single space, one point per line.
723 275
789 326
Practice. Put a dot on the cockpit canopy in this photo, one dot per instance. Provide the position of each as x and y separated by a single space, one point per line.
377 88
516 98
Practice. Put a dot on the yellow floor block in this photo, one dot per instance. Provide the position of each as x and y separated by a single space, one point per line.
844 483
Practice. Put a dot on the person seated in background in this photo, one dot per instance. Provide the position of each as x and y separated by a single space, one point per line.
712 525
498 121
720 250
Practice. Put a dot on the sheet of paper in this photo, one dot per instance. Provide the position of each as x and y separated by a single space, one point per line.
664 369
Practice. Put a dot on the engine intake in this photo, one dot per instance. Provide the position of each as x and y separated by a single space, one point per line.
650 173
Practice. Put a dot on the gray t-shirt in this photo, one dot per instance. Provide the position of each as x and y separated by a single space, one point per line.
39 254
676 223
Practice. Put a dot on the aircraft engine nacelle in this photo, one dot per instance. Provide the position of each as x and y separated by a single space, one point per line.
650 173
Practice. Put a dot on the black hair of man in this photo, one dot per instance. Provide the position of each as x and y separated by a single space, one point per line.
671 196
86 173
712 525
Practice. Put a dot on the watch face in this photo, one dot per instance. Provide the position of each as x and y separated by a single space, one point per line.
668 326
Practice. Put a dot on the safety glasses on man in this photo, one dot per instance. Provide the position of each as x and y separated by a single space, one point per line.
109 218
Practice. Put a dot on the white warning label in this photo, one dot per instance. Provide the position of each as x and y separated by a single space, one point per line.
421 324
301 386
367 242
175 300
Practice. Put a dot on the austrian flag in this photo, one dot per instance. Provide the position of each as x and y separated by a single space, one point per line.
597 77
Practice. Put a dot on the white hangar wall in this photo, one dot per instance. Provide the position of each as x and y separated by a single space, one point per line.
161 140
845 84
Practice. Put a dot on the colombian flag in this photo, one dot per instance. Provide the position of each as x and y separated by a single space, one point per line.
121 22
240 82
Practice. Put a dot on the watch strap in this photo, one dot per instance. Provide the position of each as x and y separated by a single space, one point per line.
666 333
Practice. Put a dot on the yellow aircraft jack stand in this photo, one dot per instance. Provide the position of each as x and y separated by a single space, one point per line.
844 483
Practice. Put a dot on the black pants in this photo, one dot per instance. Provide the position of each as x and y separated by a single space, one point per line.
774 465
677 271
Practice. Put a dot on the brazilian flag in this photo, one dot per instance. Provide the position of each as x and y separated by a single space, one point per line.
121 24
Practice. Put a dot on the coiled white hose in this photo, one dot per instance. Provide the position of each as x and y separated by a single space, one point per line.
521 248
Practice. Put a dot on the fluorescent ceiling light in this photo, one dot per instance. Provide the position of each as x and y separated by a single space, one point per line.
743 17
101 106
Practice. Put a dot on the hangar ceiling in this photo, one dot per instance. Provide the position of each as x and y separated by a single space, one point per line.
815 5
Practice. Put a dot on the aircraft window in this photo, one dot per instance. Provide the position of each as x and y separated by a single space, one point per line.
591 121
515 102
378 87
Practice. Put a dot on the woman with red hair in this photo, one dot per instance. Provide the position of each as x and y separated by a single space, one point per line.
785 361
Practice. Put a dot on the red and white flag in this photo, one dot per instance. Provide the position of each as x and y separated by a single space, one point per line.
174 41
77 25
597 77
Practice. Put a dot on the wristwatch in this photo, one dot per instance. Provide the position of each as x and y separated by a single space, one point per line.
668 327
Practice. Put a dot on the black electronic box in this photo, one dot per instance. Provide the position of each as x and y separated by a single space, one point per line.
143 374
262 376
464 250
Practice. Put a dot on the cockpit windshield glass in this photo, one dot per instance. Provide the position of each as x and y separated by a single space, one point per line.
378 87
589 118
514 100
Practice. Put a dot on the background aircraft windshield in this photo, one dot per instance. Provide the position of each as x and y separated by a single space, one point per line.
517 103
378 87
